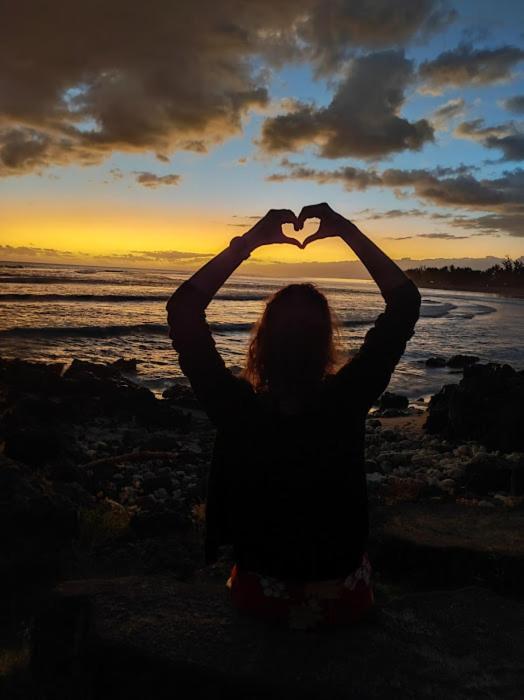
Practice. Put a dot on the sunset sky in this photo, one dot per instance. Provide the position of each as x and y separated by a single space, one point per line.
150 133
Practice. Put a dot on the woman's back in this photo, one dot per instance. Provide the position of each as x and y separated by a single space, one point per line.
293 490
289 491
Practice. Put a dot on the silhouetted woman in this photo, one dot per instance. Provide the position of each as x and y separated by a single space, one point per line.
287 484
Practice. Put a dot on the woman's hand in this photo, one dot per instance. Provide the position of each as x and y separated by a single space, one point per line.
269 229
331 223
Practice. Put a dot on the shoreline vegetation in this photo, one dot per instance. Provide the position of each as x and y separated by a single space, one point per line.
506 279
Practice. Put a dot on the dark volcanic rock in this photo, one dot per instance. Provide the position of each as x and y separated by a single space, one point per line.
487 406
461 361
485 472
32 445
20 376
395 412
111 369
436 362
44 406
181 395
391 400
123 365
36 522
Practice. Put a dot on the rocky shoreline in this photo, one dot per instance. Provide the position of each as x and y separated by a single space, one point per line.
92 437
98 477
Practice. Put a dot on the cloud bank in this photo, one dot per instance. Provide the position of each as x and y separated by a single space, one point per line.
362 119
466 66
503 196
80 81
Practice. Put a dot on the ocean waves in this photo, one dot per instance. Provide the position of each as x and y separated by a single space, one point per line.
144 329
438 309
435 309
85 331
114 298
88 298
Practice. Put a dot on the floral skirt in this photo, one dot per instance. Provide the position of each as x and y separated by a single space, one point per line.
303 605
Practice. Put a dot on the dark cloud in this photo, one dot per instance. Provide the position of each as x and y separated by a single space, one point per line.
82 80
353 178
138 256
336 27
445 171
361 120
508 138
246 221
514 104
151 180
26 149
464 191
20 251
169 256
490 224
441 117
443 236
393 213
503 196
398 238
467 66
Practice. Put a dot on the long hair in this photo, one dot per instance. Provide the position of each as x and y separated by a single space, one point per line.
292 344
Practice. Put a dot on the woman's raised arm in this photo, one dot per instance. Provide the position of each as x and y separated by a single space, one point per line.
199 359
211 276
370 370
386 273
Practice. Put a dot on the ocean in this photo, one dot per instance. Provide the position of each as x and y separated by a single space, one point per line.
53 313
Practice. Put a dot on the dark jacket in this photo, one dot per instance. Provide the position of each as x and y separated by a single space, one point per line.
289 492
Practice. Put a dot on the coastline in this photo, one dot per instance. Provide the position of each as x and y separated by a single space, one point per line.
102 495
513 293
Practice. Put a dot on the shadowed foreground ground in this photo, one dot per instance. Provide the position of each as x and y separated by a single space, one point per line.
155 637
106 594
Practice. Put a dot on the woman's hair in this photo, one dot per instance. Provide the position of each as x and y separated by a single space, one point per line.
293 342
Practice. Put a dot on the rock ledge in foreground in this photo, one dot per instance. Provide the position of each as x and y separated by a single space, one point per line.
155 637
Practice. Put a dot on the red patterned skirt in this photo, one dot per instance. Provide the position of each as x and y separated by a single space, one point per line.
303 605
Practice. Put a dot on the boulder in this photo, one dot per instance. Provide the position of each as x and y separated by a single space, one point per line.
436 362
181 395
37 523
486 406
391 400
110 369
33 445
20 376
123 365
461 361
486 472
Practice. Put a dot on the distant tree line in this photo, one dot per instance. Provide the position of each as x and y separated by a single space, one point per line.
509 274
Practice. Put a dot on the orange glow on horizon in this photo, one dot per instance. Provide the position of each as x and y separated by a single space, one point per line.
103 230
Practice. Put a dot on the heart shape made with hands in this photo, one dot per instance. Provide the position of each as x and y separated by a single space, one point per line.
300 234
330 223
270 228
